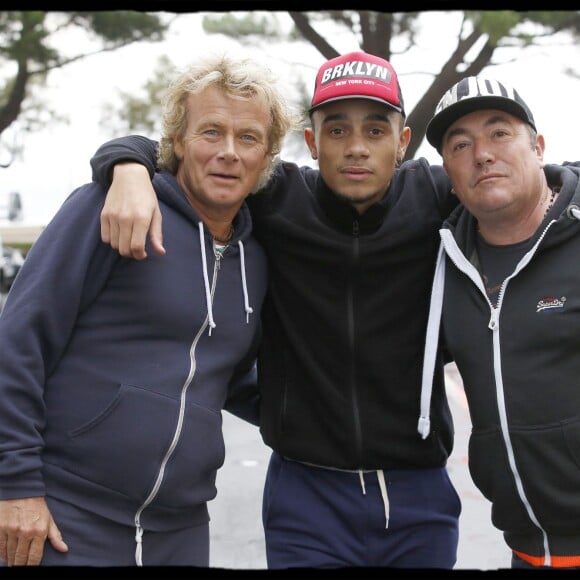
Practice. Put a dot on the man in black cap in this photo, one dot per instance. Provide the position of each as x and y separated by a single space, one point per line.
508 302
351 250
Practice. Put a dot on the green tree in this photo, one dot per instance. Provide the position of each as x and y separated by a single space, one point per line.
141 112
29 50
479 41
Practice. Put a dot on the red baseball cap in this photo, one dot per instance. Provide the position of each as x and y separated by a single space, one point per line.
357 75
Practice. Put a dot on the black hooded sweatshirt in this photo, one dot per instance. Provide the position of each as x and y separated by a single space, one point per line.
345 314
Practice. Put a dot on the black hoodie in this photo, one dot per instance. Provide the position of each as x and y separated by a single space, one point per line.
520 366
345 315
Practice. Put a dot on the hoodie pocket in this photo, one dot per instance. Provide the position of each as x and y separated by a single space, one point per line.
492 475
547 458
125 445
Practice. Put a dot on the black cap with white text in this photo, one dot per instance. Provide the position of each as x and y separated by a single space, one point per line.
472 94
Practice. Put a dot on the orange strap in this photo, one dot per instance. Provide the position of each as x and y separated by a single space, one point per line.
557 561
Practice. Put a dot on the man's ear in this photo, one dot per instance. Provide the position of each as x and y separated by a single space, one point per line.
404 139
310 140
540 147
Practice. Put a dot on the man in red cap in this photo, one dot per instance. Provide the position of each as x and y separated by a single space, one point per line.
351 249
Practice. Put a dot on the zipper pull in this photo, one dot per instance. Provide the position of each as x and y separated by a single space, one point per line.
493 320
218 257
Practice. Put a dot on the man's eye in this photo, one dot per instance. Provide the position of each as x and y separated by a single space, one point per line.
459 146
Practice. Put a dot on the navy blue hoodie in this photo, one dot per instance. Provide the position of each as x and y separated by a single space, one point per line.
111 380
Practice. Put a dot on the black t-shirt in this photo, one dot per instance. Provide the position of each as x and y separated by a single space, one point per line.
496 263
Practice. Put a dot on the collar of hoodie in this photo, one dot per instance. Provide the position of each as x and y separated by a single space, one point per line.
208 296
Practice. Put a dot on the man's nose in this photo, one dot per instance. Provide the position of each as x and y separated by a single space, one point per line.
482 152
228 150
357 145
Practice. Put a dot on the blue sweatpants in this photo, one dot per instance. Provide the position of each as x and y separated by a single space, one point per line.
323 518
97 541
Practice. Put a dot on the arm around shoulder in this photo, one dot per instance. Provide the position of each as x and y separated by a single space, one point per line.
131 211
125 167
135 148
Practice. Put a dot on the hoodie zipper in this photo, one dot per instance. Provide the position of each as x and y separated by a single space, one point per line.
177 433
493 325
352 342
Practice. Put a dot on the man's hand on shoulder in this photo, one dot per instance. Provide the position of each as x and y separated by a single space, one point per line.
131 211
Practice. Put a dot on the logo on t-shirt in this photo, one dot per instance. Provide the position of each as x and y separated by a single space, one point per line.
550 303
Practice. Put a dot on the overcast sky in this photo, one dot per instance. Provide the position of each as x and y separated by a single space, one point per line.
57 159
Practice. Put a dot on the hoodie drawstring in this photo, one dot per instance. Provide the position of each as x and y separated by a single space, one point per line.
206 278
247 306
139 548
431 342
248 309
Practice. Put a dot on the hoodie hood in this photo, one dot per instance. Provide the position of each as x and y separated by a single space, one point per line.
565 178
170 192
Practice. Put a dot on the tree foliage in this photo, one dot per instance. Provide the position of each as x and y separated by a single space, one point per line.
479 42
245 26
142 112
29 51
482 34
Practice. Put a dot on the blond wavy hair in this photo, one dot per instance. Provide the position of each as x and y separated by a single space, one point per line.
239 78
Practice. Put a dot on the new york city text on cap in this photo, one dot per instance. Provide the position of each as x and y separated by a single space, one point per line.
472 94
357 75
